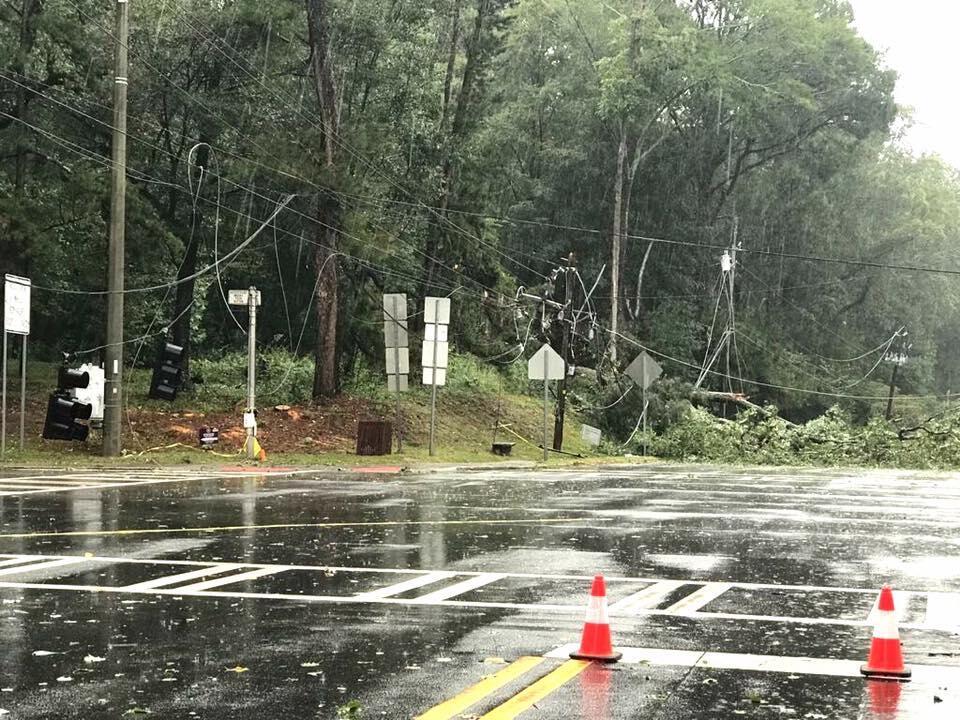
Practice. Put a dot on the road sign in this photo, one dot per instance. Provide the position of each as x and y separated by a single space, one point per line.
16 305
436 311
398 361
591 435
644 370
16 321
435 355
546 364
242 297
395 322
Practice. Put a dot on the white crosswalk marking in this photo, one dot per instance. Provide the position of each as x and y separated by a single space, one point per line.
213 579
33 567
182 577
647 598
111 479
943 610
402 587
699 599
230 579
460 588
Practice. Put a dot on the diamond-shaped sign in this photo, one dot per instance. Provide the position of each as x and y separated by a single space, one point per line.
546 364
644 370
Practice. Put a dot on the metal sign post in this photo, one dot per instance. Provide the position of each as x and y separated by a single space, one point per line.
546 365
251 298
16 321
436 312
396 341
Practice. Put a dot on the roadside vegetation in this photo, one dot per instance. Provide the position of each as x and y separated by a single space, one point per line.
720 182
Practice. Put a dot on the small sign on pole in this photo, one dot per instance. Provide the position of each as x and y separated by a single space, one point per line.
16 321
644 371
251 298
435 355
546 365
396 341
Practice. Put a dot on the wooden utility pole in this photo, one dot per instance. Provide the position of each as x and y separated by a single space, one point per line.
565 351
893 388
112 401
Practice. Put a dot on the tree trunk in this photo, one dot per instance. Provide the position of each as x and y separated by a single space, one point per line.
29 19
326 302
328 211
183 304
617 244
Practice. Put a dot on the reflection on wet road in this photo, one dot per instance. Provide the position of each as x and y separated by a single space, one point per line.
226 595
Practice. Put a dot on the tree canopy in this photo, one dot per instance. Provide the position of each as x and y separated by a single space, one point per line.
464 148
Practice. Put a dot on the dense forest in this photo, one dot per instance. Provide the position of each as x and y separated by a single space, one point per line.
328 151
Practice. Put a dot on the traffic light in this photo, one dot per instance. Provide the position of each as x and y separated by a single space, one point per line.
63 411
168 373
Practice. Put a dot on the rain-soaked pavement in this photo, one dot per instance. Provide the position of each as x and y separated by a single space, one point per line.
227 595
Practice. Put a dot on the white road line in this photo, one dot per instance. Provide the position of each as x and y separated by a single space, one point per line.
49 564
174 579
229 580
569 610
16 560
757 663
647 598
701 598
401 587
943 610
458 589
78 481
585 579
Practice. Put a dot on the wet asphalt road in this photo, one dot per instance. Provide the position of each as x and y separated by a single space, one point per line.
227 596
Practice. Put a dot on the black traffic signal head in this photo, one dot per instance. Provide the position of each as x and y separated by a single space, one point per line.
168 373
68 379
62 415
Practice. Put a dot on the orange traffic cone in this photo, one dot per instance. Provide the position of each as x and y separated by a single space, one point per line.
886 655
597 643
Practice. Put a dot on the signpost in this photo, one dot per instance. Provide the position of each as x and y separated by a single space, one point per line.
644 371
546 365
16 321
435 355
396 340
252 299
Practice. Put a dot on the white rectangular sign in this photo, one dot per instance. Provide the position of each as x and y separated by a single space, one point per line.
430 332
392 383
16 305
442 358
393 361
242 297
395 320
428 376
436 310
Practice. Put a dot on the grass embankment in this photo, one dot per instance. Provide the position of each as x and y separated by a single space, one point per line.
301 433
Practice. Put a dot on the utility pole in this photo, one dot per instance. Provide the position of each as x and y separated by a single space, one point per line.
899 359
113 389
565 351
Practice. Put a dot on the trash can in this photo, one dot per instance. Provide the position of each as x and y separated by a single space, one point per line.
374 437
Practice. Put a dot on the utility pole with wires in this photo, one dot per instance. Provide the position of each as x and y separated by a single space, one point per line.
567 317
113 390
898 359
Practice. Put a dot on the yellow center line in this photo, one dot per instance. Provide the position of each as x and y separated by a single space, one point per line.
287 526
526 699
453 707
